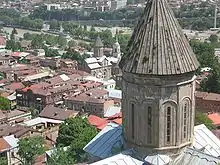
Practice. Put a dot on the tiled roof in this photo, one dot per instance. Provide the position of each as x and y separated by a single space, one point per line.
57 113
91 96
215 117
158 45
4 146
14 86
17 130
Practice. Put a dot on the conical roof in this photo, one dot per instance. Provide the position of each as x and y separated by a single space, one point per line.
158 45
98 42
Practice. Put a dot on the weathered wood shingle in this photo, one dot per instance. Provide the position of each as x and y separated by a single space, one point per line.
158 45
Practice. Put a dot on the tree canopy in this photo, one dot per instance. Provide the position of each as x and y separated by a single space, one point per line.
4 103
76 133
60 156
29 148
206 57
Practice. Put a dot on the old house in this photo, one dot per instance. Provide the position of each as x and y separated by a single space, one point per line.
51 92
207 102
94 101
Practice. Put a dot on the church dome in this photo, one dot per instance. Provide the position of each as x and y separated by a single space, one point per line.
158 45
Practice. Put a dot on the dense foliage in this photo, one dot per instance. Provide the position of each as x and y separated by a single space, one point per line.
4 103
29 148
76 133
3 161
206 57
61 157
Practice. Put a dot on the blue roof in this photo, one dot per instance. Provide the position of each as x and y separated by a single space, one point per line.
107 142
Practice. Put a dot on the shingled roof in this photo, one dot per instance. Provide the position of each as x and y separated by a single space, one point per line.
98 42
158 45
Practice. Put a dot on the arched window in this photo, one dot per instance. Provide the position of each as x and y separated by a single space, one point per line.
184 120
149 124
168 134
170 108
186 123
132 120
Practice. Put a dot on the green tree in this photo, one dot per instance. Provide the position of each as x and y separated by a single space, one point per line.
72 43
4 103
76 133
29 148
37 42
213 38
72 54
206 57
51 52
61 41
54 24
60 156
3 161
202 118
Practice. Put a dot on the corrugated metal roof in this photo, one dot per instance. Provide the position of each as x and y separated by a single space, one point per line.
157 159
112 110
11 140
119 159
91 60
106 142
194 157
206 141
94 66
114 93
37 76
39 120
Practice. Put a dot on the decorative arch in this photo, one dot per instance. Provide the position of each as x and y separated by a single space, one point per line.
170 111
131 116
186 118
148 113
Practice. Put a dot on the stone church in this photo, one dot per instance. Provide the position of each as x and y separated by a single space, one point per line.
158 100
99 65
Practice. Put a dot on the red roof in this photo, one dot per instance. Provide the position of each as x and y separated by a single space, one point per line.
2 40
215 117
118 121
4 145
97 121
16 54
100 123
14 86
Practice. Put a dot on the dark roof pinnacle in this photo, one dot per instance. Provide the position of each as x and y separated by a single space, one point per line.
158 45
98 42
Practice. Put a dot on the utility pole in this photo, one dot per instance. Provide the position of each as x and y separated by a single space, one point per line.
215 18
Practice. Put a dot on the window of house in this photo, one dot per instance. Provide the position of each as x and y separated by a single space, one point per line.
149 115
132 120
168 124
184 120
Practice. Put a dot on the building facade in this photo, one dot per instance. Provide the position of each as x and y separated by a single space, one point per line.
158 85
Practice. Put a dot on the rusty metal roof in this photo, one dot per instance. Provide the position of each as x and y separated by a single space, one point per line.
158 45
